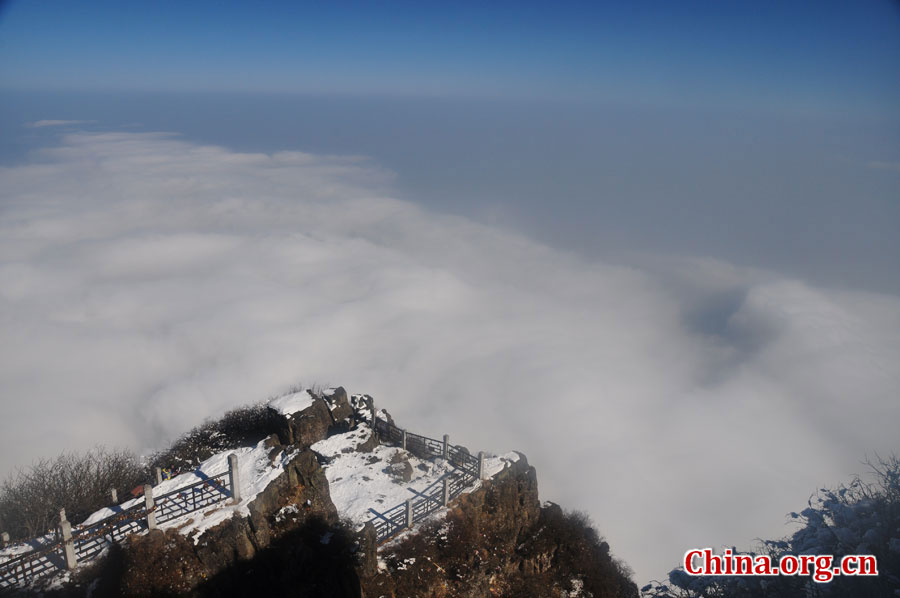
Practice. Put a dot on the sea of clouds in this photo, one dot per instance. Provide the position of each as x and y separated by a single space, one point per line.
147 283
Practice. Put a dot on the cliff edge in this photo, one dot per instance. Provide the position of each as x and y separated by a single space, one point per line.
335 500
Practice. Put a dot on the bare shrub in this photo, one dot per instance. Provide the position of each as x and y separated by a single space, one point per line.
575 546
239 427
30 499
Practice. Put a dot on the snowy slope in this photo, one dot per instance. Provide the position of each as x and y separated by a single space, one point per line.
360 481
357 481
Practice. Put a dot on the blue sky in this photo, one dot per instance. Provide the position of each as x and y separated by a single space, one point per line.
793 55
743 130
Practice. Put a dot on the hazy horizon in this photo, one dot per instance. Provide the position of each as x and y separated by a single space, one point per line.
760 189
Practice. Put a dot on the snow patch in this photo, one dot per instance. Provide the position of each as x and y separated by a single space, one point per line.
286 512
577 588
405 564
494 464
292 403
360 481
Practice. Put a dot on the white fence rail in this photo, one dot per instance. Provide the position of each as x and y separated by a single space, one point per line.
84 542
469 469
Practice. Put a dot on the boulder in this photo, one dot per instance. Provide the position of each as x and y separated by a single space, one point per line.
339 405
400 468
401 472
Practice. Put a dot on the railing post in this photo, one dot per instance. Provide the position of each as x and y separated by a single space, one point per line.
445 497
409 513
480 465
446 451
114 495
374 418
65 530
158 476
234 479
4 539
149 505
403 439
62 517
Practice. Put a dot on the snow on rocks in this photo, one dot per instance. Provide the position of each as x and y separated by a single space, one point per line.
292 403
494 464
577 589
255 472
360 481
286 512
406 563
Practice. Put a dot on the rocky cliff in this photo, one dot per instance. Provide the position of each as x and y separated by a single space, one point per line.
495 540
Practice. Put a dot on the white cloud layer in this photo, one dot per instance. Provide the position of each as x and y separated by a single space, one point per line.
38 124
147 283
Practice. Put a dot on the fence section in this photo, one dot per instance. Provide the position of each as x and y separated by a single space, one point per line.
88 541
461 459
31 565
468 470
458 484
192 498
388 432
422 444
390 522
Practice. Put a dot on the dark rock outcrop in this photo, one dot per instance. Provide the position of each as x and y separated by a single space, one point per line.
339 404
499 541
311 425
168 563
